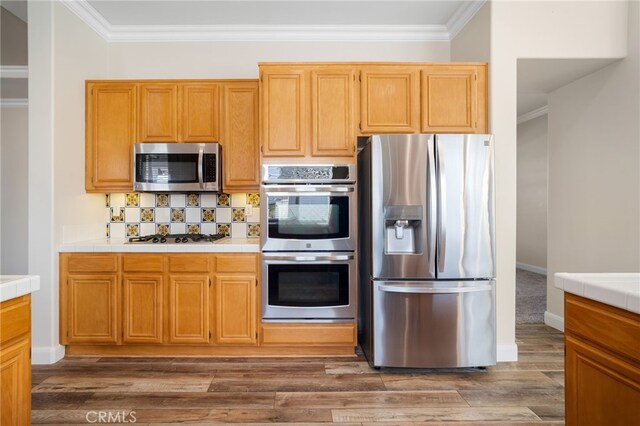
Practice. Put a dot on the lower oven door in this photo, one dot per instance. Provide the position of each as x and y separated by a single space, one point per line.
308 287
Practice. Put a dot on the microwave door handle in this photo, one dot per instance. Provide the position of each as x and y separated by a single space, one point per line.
200 166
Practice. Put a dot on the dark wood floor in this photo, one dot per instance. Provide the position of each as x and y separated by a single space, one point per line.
304 390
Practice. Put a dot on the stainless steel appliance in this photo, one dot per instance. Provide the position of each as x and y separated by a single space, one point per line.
309 286
167 167
176 238
308 207
308 260
427 251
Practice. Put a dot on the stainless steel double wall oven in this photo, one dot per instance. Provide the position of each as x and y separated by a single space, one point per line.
308 245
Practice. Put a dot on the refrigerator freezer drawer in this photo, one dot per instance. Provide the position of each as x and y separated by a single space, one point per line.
434 324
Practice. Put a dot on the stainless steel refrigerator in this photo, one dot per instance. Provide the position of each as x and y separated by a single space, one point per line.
427 251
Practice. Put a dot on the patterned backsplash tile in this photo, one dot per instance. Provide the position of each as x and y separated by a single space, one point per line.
139 214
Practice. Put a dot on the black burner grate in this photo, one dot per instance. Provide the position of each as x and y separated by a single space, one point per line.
177 238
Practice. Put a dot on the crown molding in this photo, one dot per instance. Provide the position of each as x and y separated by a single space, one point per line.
462 16
538 112
14 71
14 103
167 33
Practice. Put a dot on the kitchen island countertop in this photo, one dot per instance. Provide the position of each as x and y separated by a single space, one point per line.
621 290
12 286
119 245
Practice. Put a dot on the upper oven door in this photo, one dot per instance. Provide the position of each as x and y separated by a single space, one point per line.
308 217
176 167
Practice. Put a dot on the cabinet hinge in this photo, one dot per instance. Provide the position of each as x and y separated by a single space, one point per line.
360 77
256 334
262 149
67 333
261 77
209 281
209 335
360 125
475 76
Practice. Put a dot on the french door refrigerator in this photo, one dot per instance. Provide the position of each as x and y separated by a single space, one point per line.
427 250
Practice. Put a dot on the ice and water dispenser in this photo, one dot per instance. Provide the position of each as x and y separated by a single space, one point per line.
403 227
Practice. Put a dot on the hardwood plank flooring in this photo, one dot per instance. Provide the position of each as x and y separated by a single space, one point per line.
306 391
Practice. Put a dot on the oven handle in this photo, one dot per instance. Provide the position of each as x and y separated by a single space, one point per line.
200 166
307 258
304 188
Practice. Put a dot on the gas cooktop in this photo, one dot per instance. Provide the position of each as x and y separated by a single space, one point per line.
177 238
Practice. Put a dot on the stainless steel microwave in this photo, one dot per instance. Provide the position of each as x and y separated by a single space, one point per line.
171 167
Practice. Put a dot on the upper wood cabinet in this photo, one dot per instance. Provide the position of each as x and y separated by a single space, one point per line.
240 146
332 129
111 117
121 113
454 99
200 112
283 112
159 112
307 110
389 99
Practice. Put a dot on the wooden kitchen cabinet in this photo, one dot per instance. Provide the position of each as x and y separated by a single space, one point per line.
189 308
200 112
283 112
240 144
332 111
235 309
121 113
158 112
389 99
602 363
15 361
111 118
454 99
142 308
92 303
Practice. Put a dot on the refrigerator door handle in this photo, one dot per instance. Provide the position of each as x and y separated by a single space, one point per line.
442 211
422 289
432 200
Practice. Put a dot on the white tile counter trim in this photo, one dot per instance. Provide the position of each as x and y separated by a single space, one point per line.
12 286
118 245
621 290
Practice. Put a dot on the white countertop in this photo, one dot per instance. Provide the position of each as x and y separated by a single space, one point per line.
621 290
119 245
12 286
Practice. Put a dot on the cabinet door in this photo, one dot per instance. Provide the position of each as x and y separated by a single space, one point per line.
110 133
15 383
142 308
390 99
601 389
158 113
92 309
240 137
450 99
283 112
200 112
189 308
332 131
235 309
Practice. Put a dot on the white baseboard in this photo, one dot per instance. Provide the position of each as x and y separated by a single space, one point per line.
43 355
507 353
532 268
553 320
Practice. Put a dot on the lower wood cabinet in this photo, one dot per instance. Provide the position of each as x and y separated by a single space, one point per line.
179 304
142 308
15 361
189 308
602 365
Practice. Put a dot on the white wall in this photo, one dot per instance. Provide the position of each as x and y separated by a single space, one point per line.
15 190
529 29
594 171
531 240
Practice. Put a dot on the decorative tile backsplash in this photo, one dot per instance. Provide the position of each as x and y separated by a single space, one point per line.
140 214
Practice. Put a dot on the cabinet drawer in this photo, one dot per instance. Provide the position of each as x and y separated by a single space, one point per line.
15 318
236 263
189 263
92 263
600 323
142 263
308 334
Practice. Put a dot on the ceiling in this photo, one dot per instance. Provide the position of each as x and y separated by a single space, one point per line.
272 20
